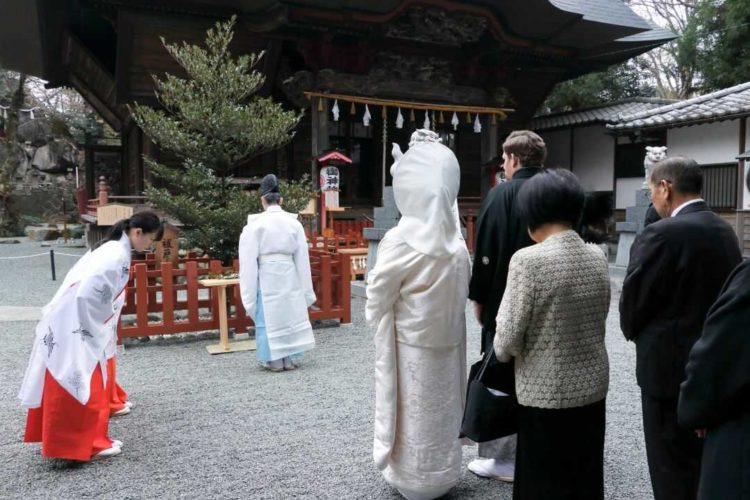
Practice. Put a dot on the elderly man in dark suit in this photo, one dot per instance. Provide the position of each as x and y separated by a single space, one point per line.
677 268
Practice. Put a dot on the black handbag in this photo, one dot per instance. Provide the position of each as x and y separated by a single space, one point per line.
489 416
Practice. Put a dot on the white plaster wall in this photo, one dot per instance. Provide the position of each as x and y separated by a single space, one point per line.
594 158
625 191
707 144
558 148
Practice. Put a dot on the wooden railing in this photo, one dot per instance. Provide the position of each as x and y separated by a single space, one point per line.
166 289
349 240
468 221
88 206
340 227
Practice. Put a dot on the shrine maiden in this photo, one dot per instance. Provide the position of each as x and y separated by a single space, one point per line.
416 296
65 386
275 281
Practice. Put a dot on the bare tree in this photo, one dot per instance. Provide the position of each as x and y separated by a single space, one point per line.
673 67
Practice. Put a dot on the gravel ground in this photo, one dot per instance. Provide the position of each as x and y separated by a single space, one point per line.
28 281
219 427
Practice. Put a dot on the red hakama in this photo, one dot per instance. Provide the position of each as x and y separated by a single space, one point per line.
66 428
115 394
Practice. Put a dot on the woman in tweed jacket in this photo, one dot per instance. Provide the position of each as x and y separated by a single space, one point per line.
552 322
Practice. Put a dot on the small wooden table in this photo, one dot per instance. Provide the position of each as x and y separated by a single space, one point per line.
358 260
224 346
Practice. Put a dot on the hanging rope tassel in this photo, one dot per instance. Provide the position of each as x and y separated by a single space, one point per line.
353 110
320 104
442 118
412 118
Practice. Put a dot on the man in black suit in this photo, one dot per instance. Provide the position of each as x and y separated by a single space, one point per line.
677 268
500 233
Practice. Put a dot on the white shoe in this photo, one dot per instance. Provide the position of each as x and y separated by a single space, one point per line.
128 404
289 364
108 453
116 443
124 411
488 467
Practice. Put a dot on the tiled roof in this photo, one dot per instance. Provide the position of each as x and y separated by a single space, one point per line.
726 104
603 11
600 114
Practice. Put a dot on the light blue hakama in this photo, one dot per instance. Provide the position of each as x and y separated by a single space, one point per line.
262 349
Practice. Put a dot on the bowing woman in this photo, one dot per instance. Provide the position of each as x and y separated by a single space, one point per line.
65 386
275 281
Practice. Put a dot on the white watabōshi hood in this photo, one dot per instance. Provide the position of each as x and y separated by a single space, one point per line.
425 186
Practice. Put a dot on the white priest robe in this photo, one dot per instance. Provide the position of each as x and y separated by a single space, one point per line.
274 259
416 297
78 326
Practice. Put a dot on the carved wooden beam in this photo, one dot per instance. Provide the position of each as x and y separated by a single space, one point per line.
94 83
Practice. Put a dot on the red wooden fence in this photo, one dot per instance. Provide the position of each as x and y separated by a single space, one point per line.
155 289
341 227
348 240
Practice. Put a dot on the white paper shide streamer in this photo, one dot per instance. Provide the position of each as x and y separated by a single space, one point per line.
477 124
399 120
367 117
454 121
335 110
426 123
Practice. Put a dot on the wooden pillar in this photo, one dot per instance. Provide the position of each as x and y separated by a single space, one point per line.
320 139
740 217
489 150
89 172
136 159
124 161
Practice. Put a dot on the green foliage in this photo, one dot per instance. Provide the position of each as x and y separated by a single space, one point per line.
618 82
724 54
212 121
212 210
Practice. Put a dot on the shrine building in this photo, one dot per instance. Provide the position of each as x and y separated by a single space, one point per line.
366 73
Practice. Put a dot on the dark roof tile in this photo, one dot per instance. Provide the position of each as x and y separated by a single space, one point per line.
727 103
600 114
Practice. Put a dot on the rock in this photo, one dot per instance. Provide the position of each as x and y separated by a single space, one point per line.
9 242
52 158
35 132
41 233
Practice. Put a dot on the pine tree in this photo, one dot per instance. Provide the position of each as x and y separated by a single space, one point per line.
724 54
213 121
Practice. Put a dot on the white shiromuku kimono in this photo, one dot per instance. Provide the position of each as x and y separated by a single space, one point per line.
416 295
79 325
275 266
